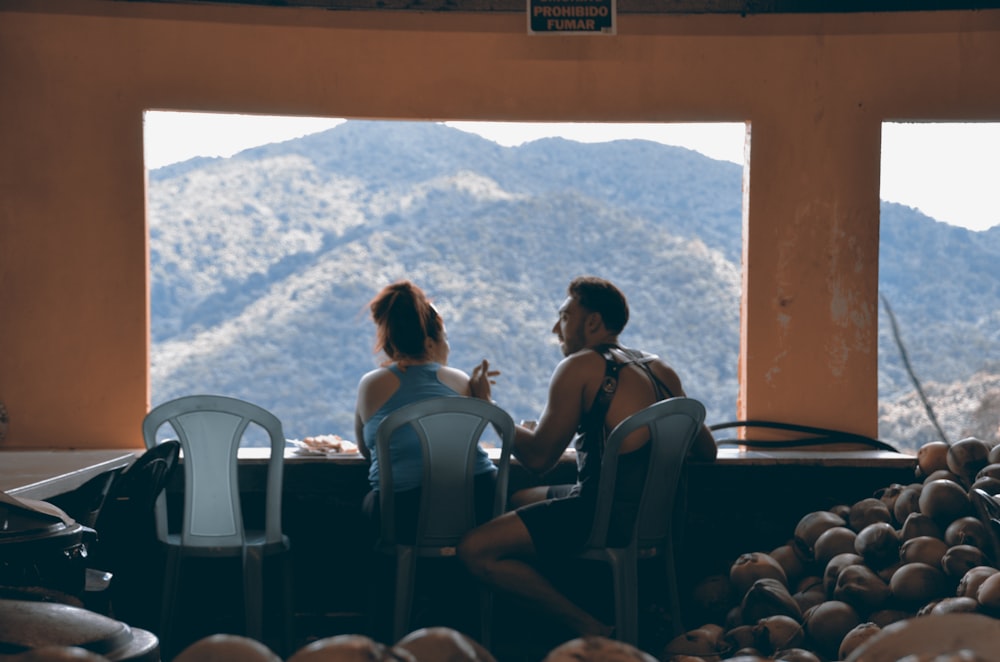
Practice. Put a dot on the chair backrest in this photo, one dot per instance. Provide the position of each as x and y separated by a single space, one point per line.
449 430
209 429
673 425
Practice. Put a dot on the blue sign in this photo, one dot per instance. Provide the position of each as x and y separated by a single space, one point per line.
571 16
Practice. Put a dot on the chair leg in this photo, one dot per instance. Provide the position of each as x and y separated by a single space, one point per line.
673 591
171 584
253 592
485 617
624 581
405 567
288 605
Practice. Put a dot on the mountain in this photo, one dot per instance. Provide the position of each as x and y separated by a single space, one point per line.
262 265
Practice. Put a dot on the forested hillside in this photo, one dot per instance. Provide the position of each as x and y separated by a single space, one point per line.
262 265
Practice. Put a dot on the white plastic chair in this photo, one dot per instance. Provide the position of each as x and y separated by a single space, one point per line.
673 425
210 428
449 429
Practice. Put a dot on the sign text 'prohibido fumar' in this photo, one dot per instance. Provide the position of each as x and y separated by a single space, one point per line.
571 16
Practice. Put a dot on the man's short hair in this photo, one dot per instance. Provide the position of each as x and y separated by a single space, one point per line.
601 296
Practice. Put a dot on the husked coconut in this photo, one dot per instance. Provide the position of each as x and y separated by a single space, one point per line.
918 524
945 501
907 503
967 531
827 624
931 457
860 587
878 544
988 594
706 644
225 647
931 637
956 604
916 584
833 568
966 457
923 549
775 633
868 511
857 636
443 644
750 567
833 541
884 617
811 526
969 584
960 559
888 496
994 456
602 649
349 648
790 560
768 597
796 655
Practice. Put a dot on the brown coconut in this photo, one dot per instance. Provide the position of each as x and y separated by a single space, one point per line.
790 560
966 457
602 649
918 524
960 559
795 655
833 541
888 495
857 636
967 531
931 457
916 584
768 597
923 549
954 605
878 544
225 647
969 584
945 501
827 624
860 587
775 633
750 567
988 594
907 502
349 648
700 642
811 526
868 511
994 456
833 568
443 644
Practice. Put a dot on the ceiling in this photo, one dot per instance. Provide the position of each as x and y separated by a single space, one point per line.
743 7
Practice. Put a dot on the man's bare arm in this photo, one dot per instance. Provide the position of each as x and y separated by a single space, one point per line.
540 449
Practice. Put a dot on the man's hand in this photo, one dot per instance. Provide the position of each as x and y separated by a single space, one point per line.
482 377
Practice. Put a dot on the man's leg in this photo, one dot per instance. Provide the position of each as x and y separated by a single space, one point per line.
498 552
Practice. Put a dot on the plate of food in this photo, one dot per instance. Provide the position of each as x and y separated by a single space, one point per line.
323 444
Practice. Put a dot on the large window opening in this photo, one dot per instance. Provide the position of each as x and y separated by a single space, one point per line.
265 254
939 319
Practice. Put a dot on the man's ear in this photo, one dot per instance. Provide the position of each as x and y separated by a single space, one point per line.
594 322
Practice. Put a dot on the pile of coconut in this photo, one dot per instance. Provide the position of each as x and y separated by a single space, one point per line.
858 572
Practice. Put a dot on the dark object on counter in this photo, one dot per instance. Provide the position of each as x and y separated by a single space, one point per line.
27 625
43 550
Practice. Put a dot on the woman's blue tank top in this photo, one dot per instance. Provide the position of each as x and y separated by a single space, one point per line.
417 382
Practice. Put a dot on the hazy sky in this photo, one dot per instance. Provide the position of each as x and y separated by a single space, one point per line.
947 170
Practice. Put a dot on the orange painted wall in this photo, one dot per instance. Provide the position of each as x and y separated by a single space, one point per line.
76 76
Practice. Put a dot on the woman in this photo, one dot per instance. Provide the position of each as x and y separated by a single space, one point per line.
411 334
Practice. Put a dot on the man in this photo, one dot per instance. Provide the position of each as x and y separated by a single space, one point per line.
597 386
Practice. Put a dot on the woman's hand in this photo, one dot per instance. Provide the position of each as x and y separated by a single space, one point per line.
482 377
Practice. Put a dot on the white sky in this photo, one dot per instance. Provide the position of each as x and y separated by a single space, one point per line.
947 170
